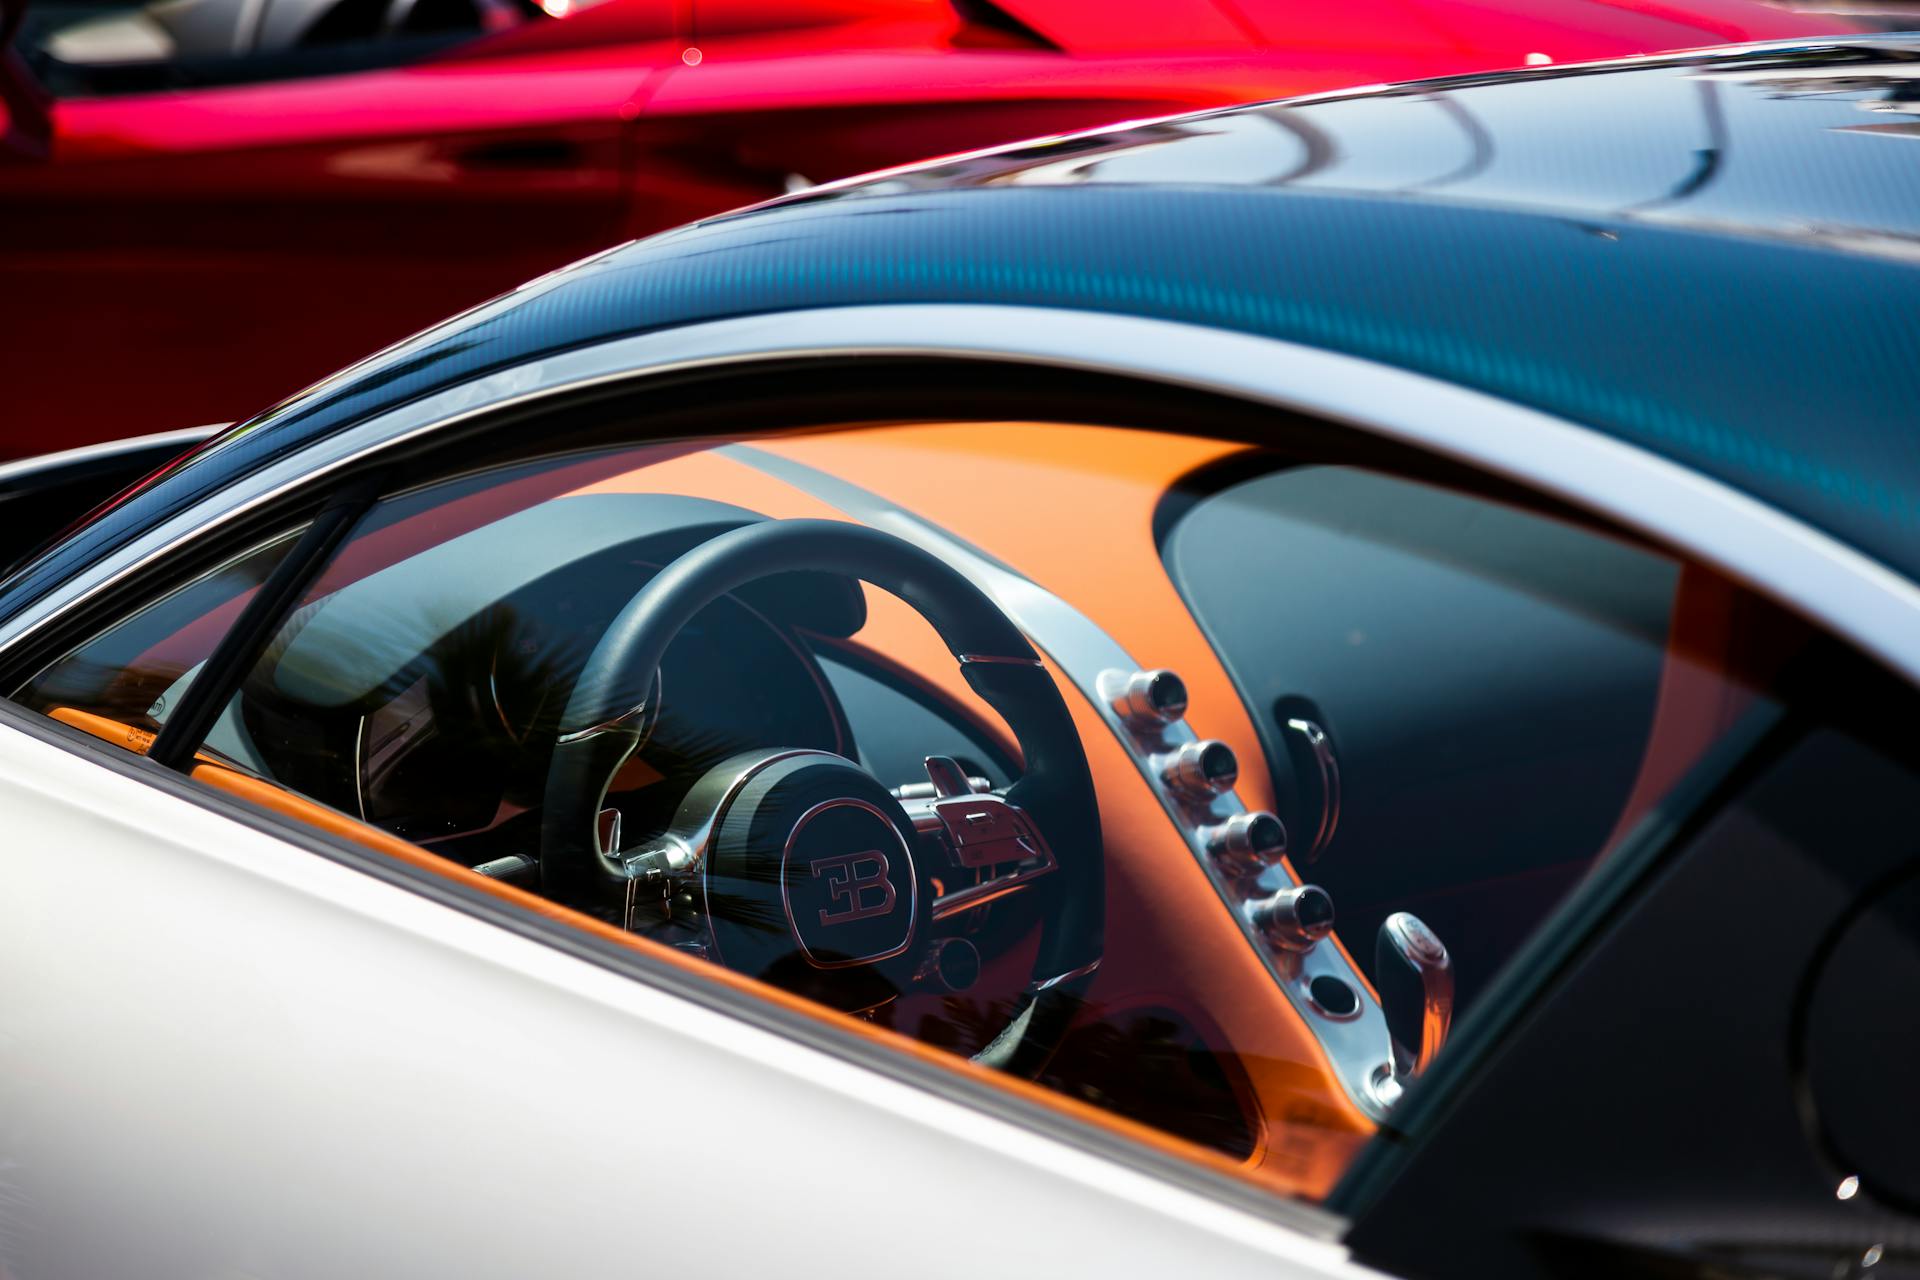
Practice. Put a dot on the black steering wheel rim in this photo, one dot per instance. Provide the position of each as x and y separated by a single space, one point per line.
598 731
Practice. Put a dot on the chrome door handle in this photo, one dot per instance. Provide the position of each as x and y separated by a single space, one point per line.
1414 975
1320 750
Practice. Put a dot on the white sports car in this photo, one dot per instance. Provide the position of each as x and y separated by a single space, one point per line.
1317 690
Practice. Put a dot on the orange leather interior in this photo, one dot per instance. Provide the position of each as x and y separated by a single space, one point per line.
1088 536
127 737
277 800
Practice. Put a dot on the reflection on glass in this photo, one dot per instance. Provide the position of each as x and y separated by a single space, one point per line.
1502 694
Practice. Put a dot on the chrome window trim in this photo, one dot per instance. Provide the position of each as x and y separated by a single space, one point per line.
1830 582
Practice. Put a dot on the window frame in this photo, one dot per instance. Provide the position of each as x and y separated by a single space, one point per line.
785 397
348 494
417 437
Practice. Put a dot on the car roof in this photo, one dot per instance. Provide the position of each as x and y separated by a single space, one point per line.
1715 257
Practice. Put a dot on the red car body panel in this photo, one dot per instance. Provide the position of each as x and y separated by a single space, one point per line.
190 256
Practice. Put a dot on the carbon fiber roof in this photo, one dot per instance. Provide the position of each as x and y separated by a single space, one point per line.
1716 257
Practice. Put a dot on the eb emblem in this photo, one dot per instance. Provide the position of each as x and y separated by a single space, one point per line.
858 885
847 883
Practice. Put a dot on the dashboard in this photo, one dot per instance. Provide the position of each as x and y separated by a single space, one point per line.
424 695
449 749
479 717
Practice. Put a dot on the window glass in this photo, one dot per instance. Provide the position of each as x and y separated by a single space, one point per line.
346 21
500 669
433 17
1505 693
1696 1097
132 675
90 48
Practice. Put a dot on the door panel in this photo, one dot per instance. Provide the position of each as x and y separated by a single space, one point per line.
402 1089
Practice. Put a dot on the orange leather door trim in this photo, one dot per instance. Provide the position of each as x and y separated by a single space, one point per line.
275 799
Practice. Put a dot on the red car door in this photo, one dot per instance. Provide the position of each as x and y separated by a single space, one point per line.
213 249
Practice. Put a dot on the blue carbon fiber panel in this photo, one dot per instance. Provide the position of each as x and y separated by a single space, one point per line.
1780 358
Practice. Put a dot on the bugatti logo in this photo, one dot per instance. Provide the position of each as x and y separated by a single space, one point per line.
858 885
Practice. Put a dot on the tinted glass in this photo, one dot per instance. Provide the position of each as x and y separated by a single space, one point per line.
1505 693
132 675
345 21
437 16
468 685
1717 1088
96 48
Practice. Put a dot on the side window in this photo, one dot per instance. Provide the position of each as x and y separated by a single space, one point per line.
441 17
88 48
340 22
1028 741
123 683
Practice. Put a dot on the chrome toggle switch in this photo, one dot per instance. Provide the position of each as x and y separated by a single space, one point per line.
1247 843
1146 697
1294 919
1204 768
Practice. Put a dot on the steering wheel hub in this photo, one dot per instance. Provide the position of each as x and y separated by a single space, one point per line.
811 864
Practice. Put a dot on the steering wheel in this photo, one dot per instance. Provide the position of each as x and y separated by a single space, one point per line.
811 874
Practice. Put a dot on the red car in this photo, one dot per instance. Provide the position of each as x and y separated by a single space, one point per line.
212 201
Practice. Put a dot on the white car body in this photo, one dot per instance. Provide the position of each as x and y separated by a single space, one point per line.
233 1047
402 1089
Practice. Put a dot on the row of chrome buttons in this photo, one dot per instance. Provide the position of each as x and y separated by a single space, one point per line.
1290 919
1414 971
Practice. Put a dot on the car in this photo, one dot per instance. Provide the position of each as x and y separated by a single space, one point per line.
1315 689
393 163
